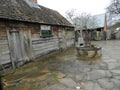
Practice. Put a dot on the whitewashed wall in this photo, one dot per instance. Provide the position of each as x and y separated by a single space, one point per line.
108 34
117 35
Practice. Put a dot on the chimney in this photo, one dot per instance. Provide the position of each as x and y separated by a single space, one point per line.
33 1
105 23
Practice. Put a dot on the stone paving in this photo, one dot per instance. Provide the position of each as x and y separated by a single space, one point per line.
99 74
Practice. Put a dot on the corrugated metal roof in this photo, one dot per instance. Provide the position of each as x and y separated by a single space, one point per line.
100 20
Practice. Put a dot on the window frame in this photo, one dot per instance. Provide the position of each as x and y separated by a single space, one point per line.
46 31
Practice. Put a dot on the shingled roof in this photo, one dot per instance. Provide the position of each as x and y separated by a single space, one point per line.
22 10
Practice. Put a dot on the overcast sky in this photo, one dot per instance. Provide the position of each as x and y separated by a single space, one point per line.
90 6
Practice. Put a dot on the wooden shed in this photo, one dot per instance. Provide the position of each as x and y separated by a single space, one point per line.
29 30
98 32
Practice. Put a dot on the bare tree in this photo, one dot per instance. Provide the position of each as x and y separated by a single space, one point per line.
81 20
114 7
70 14
85 19
113 11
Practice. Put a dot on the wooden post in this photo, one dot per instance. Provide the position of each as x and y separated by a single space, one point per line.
22 45
59 39
30 44
105 23
105 28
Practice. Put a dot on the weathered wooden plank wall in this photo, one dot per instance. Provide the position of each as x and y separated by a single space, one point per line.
70 42
44 46
15 45
62 38
69 38
4 51
21 42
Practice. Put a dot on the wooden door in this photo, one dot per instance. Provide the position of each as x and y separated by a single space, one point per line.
20 46
15 47
27 44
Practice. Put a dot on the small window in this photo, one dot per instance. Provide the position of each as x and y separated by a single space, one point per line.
46 31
